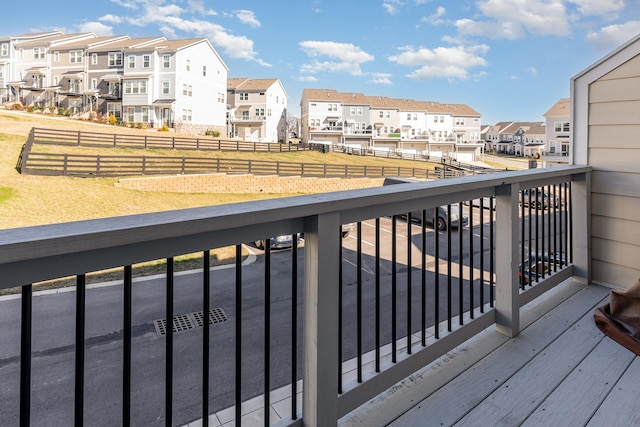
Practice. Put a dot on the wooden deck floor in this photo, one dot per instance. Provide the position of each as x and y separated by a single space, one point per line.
559 371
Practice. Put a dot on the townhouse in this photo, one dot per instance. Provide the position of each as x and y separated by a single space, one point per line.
147 81
558 133
382 123
528 139
256 109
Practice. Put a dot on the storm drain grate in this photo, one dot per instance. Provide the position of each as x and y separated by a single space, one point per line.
216 315
185 322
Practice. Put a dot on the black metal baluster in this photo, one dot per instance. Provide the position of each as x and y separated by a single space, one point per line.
79 368
126 345
535 256
482 254
556 236
25 355
267 327
393 287
377 285
409 285
536 231
340 337
294 332
436 300
471 293
423 288
168 403
460 267
238 338
206 296
557 260
449 269
549 236
566 224
359 299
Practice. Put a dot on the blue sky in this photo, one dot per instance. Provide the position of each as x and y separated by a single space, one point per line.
507 59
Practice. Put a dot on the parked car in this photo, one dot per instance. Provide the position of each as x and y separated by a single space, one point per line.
441 221
279 242
347 228
539 198
542 264
486 203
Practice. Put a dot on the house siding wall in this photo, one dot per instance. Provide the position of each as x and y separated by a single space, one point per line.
614 153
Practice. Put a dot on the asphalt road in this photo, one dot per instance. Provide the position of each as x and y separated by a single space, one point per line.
54 329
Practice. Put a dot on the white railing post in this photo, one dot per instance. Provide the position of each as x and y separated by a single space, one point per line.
581 223
321 270
507 238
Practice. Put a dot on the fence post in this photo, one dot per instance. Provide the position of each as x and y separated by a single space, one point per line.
145 142
97 165
197 144
173 142
144 164
249 166
115 139
346 171
64 167
78 137
183 163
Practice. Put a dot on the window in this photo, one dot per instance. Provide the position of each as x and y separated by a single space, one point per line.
115 59
94 58
56 56
333 107
459 121
131 60
441 119
75 56
314 122
352 111
37 80
114 109
435 119
186 115
38 53
408 116
94 83
74 85
269 112
204 71
277 99
135 87
358 111
114 89
131 114
381 114
244 96
387 114
56 80
221 97
146 61
259 111
552 146
166 61
145 114
187 90
561 126
4 49
188 64
166 87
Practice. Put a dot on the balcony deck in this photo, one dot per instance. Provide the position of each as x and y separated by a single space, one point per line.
560 370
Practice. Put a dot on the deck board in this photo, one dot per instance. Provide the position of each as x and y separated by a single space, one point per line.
584 390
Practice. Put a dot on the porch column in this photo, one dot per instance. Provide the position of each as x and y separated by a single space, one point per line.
580 199
321 295
507 293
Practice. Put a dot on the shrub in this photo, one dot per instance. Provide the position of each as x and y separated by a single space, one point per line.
112 119
164 128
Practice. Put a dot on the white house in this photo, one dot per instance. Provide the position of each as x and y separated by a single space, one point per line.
179 81
257 109
558 131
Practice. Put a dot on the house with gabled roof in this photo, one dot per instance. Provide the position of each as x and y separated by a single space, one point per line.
105 70
528 140
175 83
558 132
256 109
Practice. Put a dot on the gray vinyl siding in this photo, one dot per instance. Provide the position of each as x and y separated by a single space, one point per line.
614 153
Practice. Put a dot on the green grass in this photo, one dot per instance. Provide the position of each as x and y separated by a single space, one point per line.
6 193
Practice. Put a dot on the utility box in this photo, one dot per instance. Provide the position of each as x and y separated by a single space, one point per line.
533 164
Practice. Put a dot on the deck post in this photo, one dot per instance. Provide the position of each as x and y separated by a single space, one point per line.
321 262
580 211
507 293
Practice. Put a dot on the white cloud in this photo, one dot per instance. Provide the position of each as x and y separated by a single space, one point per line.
391 6
348 57
511 18
95 27
247 17
435 17
381 78
531 70
307 79
599 7
449 62
129 4
613 36
111 18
